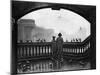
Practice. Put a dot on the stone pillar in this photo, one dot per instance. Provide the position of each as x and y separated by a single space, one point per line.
14 47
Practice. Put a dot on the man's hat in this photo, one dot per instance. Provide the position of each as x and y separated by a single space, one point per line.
53 36
59 34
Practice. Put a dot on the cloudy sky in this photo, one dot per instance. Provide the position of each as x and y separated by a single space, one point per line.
70 24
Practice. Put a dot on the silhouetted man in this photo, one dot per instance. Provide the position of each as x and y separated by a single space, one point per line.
59 42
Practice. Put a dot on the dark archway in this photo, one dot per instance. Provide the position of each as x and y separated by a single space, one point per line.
21 8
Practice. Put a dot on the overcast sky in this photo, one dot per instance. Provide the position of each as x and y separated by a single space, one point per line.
64 21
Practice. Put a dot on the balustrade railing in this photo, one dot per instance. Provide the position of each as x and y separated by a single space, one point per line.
35 49
77 48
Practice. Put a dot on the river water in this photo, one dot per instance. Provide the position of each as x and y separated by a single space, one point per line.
50 65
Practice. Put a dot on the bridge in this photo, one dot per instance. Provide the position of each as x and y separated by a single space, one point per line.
31 56
38 50
70 50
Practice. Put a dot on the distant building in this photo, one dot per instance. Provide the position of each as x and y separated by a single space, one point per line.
25 27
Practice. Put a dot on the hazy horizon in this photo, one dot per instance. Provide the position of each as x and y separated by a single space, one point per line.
49 23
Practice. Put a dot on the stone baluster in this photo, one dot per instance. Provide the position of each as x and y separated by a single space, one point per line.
82 50
77 50
24 51
49 50
27 51
46 49
34 53
20 51
40 50
43 50
31 51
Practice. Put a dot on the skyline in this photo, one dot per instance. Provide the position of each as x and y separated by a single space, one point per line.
70 24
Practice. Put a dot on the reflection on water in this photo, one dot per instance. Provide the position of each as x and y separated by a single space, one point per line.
32 66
